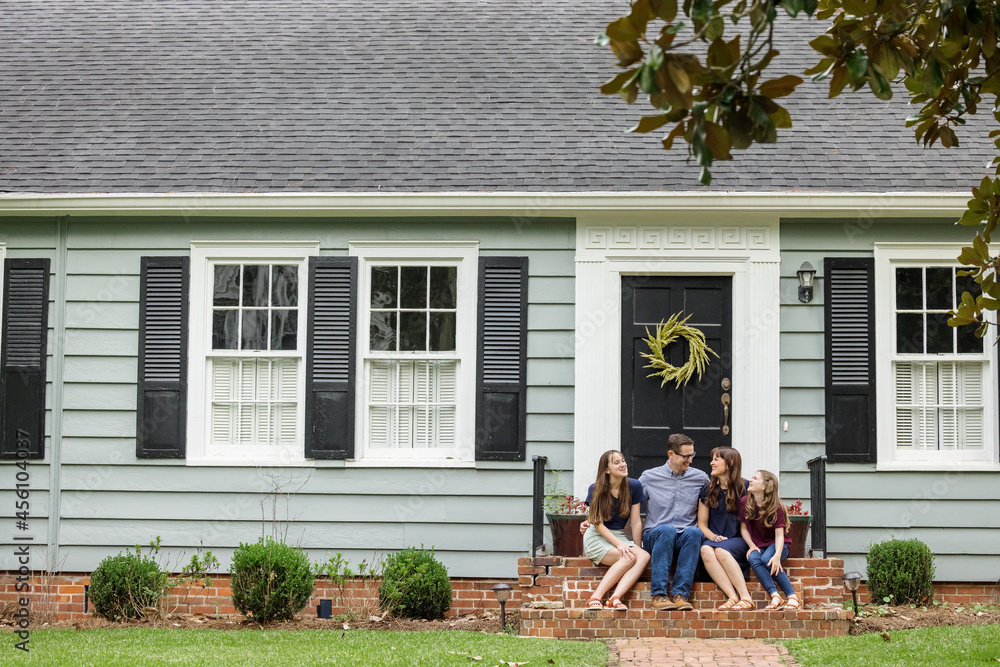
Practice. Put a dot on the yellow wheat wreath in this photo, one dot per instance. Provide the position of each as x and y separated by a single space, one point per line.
666 333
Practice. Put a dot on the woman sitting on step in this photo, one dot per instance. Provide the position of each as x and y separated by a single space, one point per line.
724 551
614 499
763 522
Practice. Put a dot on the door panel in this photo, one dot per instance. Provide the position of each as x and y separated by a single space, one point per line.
650 414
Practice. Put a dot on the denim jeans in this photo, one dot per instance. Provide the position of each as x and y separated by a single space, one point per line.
664 543
758 561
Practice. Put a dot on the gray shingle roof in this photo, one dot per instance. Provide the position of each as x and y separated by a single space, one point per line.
414 95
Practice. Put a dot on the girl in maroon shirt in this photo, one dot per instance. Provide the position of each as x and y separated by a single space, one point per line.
762 524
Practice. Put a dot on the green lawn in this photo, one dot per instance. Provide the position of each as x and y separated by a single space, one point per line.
276 648
951 647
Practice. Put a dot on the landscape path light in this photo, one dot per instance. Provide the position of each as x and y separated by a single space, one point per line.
502 591
851 581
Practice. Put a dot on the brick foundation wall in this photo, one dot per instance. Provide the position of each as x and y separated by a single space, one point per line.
62 596
952 592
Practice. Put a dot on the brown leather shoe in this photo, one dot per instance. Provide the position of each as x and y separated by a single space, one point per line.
681 603
662 603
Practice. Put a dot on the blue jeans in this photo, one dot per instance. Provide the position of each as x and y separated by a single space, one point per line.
664 543
758 561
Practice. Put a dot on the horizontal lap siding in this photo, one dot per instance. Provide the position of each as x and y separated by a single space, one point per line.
954 513
477 519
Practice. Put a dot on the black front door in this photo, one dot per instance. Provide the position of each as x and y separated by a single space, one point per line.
702 409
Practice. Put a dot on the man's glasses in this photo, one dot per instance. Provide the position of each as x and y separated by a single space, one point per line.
686 457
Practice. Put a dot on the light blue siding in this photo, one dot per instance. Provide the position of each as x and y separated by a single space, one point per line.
477 517
954 513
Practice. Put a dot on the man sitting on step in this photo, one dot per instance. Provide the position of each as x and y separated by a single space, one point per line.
671 529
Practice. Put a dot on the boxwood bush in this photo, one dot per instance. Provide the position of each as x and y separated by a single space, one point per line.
902 570
122 585
415 585
271 581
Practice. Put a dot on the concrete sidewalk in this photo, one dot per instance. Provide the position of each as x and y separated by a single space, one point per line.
693 651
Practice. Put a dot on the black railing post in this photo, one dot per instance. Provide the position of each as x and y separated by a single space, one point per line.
537 502
817 500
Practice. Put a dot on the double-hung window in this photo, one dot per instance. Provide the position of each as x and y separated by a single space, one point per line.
417 361
248 349
940 407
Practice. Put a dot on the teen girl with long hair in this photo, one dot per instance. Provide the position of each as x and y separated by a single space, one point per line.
614 499
724 550
763 522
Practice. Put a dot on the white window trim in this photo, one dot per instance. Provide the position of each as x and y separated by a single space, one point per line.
466 254
203 254
889 256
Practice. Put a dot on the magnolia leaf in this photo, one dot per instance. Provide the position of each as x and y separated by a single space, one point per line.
623 30
650 123
857 66
680 78
781 118
622 79
780 87
718 141
668 141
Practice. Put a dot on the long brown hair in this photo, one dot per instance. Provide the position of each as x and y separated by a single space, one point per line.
601 500
734 480
767 511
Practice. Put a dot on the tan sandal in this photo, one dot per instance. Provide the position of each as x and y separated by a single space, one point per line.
615 604
728 604
776 603
744 604
793 603
594 603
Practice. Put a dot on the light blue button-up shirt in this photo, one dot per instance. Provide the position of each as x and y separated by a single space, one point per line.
673 498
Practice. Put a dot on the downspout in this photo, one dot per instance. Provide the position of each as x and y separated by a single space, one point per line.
58 367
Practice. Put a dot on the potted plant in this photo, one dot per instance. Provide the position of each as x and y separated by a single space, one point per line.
798 528
565 513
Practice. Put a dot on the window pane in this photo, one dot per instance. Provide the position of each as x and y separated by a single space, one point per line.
412 331
284 329
255 285
443 286
909 333
413 287
227 286
382 332
384 282
939 334
254 330
967 341
225 330
284 286
443 331
909 289
939 288
966 284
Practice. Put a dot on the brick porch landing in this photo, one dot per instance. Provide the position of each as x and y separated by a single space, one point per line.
566 583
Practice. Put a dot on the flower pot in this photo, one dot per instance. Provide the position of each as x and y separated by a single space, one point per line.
798 528
566 537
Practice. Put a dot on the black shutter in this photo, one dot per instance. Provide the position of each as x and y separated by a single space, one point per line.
330 355
501 369
849 291
22 358
161 407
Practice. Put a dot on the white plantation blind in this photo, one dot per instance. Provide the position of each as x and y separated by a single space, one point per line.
412 403
254 401
939 405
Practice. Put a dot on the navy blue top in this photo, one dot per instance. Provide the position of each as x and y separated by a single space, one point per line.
720 520
618 522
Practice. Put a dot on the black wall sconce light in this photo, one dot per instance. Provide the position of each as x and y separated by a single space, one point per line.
806 273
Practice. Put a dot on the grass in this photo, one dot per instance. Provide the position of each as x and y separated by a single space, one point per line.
277 648
953 646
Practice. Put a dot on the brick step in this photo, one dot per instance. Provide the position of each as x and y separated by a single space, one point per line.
705 624
704 595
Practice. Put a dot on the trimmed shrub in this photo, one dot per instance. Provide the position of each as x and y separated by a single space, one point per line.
902 570
122 585
415 585
271 581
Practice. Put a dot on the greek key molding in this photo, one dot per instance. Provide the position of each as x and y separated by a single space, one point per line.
700 237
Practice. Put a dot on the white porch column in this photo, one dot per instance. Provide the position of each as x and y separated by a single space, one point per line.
595 313
756 346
